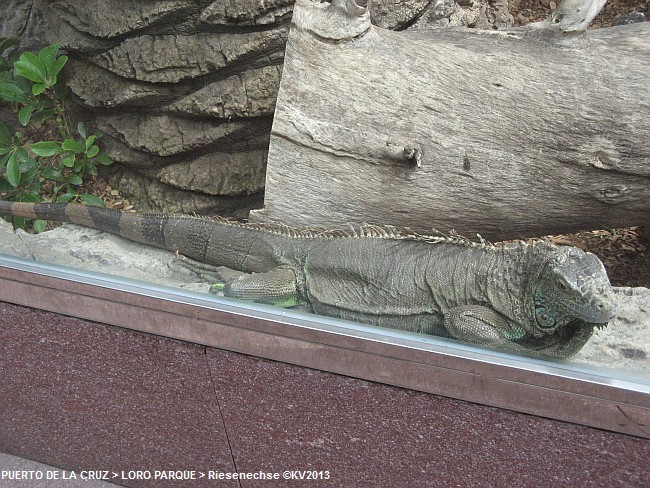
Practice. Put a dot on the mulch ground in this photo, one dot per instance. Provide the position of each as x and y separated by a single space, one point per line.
624 252
526 11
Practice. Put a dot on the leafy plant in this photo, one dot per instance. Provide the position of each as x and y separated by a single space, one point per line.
33 87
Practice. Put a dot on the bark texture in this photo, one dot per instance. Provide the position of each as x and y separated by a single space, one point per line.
505 133
21 19
185 89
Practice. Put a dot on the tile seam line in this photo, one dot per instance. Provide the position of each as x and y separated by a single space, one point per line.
223 420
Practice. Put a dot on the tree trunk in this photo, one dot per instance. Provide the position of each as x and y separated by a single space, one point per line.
504 133
184 90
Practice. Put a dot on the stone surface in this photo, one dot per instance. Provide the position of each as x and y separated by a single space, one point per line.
246 12
181 57
631 18
366 434
156 196
491 14
250 94
81 395
167 135
227 174
21 19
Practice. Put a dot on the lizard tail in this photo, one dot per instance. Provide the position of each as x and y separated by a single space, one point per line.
46 211
151 229
94 217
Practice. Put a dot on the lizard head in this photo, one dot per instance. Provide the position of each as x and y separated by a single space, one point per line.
573 285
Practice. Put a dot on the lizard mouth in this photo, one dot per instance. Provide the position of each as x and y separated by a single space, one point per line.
599 310
602 310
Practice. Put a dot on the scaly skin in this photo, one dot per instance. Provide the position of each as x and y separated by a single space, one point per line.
536 298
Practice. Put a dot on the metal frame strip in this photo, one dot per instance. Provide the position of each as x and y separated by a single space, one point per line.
602 398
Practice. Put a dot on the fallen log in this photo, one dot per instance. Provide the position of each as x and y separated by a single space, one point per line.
514 133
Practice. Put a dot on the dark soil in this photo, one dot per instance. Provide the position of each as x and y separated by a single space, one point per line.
526 11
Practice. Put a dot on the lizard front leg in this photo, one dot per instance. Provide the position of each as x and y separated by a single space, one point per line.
482 325
276 287
565 343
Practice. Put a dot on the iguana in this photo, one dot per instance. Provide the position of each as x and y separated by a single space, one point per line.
522 297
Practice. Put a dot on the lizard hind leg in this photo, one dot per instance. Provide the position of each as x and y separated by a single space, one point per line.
276 287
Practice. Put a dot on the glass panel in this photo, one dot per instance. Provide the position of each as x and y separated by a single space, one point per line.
623 345
588 395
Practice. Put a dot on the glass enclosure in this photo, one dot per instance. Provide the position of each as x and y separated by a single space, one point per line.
589 395
624 345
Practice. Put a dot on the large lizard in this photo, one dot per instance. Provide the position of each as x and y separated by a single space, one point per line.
525 297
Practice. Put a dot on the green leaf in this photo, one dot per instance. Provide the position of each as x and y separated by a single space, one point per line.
19 222
40 225
66 197
25 114
39 88
7 42
81 128
47 56
11 92
51 174
104 159
4 158
61 88
13 171
5 136
90 141
41 116
5 186
75 180
28 197
92 152
58 65
21 154
46 148
35 187
68 160
78 147
92 200
30 67
25 85
28 167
